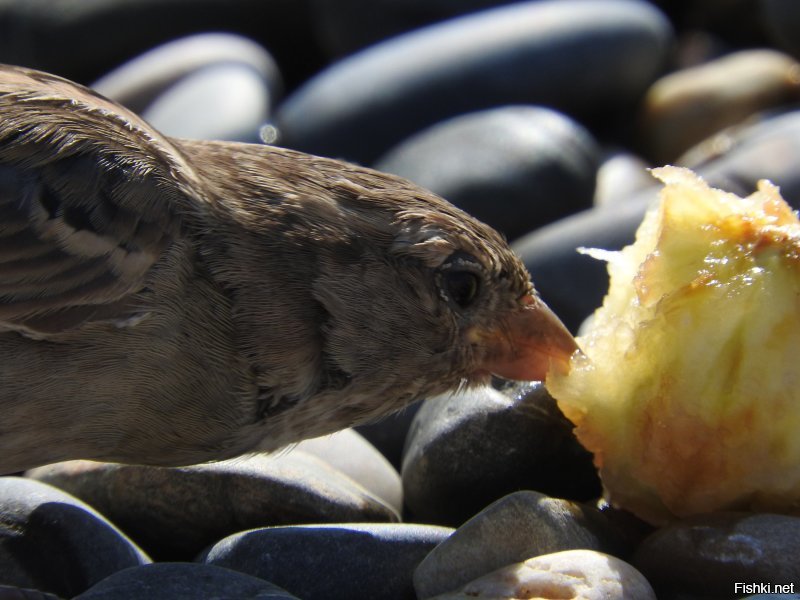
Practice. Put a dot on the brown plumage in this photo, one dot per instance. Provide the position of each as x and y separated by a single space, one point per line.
169 301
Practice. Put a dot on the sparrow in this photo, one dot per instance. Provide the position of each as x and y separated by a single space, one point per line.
171 301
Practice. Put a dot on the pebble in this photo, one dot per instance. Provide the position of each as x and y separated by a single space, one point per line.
172 581
468 449
706 554
9 592
351 454
517 527
175 513
620 176
53 542
554 52
141 80
515 168
332 562
579 574
206 86
223 102
683 108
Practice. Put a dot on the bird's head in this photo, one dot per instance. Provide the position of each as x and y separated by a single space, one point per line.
376 283
433 291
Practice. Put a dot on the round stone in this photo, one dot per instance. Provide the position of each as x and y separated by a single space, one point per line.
175 513
468 449
167 581
583 574
520 526
332 562
708 554
514 168
556 53
52 542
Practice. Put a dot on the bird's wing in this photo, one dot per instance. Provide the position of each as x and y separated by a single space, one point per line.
89 200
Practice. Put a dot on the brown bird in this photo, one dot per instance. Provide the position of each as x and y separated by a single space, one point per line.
170 302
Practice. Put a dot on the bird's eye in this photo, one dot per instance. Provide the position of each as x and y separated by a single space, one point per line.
461 287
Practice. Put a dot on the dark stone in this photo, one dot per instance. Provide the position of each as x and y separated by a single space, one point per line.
466 450
513 529
8 592
174 581
556 53
708 553
175 513
53 542
515 168
332 562
572 284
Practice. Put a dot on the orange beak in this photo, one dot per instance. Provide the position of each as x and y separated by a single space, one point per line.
530 341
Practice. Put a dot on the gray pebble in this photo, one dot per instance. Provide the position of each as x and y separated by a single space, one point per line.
709 553
183 581
350 453
574 574
513 529
620 176
515 167
175 513
8 592
467 449
53 542
220 102
687 106
141 80
556 53
332 562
